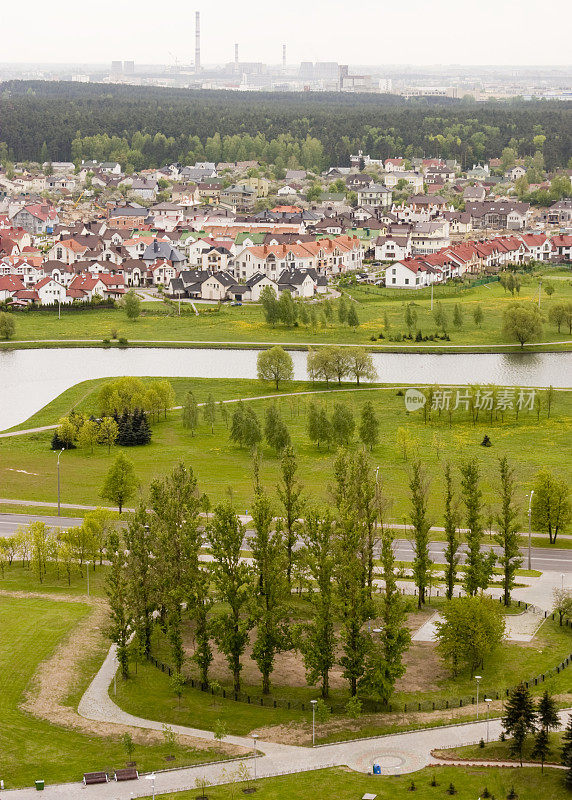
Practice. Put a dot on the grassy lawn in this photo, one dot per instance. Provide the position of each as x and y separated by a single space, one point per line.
246 323
17 578
340 784
33 748
500 751
426 680
220 464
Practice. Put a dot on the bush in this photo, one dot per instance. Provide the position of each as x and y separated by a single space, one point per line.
451 789
481 745
122 341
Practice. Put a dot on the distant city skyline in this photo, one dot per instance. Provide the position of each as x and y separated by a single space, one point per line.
444 32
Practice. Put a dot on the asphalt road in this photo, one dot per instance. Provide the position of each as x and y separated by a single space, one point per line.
552 559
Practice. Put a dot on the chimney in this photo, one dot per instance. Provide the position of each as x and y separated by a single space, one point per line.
197 41
236 57
283 56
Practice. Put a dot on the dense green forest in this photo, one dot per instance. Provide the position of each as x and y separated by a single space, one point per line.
147 126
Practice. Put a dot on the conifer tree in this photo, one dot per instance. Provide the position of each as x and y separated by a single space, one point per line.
519 718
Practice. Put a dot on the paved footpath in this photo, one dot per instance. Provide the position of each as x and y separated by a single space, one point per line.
396 754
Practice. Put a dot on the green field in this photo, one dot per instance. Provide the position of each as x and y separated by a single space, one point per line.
246 323
219 464
340 784
500 751
33 748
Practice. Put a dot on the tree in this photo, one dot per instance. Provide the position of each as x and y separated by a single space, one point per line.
471 630
566 752
441 318
551 511
120 482
190 413
318 425
562 602
522 322
360 365
353 319
288 309
410 317
88 434
38 535
342 310
384 665
320 364
268 555
519 718
289 493
343 424
549 289
7 326
275 429
270 307
209 412
369 426
132 305
140 577
478 315
507 529
319 641
108 432
233 584
421 526
557 315
452 537
275 365
548 719
66 435
116 588
479 566
457 316
339 361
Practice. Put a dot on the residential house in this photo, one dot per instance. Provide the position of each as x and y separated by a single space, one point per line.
539 246
410 273
413 180
128 216
430 237
239 197
562 247
475 194
459 221
515 173
392 248
394 165
502 215
559 213
50 292
375 195
9 285
37 218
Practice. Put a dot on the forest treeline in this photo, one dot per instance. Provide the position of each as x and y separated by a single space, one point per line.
147 126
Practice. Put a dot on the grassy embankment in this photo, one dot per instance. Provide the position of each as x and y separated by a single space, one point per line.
236 325
219 464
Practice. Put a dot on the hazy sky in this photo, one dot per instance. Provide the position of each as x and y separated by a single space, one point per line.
361 32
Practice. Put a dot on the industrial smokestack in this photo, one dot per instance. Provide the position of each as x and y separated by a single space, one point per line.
197 41
283 56
236 57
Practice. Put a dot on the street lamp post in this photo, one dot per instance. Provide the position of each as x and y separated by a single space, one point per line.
87 563
530 528
478 680
314 702
59 454
488 701
255 737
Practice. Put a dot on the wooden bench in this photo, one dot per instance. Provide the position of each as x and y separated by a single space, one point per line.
127 774
91 778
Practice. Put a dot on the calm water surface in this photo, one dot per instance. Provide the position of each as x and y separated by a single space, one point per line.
31 378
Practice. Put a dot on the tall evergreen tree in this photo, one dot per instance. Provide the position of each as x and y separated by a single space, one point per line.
421 526
140 576
233 584
319 639
519 718
452 537
269 557
289 492
479 565
507 534
117 595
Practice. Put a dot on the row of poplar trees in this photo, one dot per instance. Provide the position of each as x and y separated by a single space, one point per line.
161 576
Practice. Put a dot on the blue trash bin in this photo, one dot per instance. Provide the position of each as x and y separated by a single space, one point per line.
376 769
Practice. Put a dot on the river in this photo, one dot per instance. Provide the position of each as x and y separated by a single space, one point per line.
31 378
